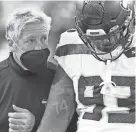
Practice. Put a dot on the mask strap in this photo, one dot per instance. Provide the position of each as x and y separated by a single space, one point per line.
18 47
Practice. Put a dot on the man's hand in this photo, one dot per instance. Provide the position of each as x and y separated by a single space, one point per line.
22 120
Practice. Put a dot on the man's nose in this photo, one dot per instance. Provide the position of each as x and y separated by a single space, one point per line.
39 46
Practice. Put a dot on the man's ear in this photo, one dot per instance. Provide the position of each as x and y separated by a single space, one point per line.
11 46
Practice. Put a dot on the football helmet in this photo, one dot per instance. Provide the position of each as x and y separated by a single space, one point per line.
106 27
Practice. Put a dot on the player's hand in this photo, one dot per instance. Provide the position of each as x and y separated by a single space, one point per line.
22 120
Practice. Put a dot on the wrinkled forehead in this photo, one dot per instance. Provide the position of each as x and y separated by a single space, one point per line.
34 29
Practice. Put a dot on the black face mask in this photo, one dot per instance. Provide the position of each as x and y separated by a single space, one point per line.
35 60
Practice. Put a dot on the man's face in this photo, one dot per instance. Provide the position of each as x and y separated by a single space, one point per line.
33 37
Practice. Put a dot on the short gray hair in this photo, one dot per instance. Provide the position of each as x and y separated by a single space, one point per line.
21 17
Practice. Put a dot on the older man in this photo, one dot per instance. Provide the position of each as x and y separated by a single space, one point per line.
25 77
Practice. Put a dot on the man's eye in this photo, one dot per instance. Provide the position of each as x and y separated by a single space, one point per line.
30 41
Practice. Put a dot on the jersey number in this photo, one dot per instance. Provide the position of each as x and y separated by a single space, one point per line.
97 98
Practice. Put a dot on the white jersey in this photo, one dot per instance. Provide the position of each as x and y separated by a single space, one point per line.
105 93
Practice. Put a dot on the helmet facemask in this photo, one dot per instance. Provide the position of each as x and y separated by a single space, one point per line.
106 45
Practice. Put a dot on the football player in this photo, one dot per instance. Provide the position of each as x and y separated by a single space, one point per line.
96 69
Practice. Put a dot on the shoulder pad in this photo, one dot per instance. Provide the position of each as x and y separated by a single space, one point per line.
69 37
131 52
3 64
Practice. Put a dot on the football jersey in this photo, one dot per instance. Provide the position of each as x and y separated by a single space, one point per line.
104 92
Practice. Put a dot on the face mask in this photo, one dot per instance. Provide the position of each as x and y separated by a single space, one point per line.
35 60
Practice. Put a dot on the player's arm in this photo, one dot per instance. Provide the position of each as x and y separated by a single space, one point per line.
61 105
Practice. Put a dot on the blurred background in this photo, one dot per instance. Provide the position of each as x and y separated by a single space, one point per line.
61 12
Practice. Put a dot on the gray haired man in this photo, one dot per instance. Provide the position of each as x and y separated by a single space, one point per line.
25 77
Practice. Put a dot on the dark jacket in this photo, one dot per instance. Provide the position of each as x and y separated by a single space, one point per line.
24 89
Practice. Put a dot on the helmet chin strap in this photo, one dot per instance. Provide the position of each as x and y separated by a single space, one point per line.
106 73
108 87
